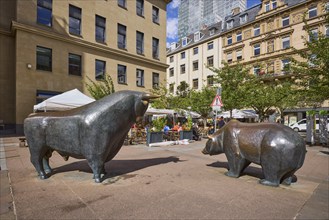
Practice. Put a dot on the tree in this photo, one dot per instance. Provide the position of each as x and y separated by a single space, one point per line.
183 90
101 88
201 100
312 69
165 97
232 80
265 92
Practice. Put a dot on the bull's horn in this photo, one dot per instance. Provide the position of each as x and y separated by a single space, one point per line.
210 136
148 96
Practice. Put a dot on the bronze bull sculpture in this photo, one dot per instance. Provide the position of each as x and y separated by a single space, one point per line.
277 148
95 131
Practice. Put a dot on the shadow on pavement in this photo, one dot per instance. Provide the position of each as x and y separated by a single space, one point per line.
250 171
118 167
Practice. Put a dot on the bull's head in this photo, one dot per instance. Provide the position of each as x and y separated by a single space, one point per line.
214 145
142 104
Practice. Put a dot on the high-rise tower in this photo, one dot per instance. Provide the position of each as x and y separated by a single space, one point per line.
195 14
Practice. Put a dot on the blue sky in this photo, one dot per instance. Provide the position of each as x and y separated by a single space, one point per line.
172 22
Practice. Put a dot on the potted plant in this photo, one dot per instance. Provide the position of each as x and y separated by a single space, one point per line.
187 132
156 134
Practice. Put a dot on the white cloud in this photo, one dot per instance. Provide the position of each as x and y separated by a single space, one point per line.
174 4
172 27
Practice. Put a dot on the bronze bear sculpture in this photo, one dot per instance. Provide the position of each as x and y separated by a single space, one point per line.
277 148
95 132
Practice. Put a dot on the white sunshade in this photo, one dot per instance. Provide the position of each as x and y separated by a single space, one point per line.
67 100
238 114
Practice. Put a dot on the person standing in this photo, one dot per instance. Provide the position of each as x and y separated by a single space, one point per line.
221 122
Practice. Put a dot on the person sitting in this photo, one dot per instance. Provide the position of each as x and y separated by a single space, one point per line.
166 129
177 127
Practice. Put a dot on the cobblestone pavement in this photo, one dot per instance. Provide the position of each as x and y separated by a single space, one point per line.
169 182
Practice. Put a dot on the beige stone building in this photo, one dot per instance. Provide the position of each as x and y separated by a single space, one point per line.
49 46
261 37
188 59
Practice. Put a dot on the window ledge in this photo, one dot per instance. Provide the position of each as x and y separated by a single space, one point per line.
123 83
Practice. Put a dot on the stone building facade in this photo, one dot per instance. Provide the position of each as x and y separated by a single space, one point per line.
48 47
261 37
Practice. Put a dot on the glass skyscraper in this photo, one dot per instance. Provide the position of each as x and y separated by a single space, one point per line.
193 15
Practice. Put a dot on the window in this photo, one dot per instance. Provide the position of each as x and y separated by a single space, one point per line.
122 36
44 12
195 65
229 40
239 36
155 15
197 36
270 46
210 80
122 3
100 28
74 20
173 46
256 30
140 7
229 57
312 12
122 74
212 31
100 69
139 42
195 50
256 70
44 59
285 21
171 87
184 41
285 42
243 18
171 72
210 61
182 69
285 65
155 48
270 67
171 59
313 35
239 55
74 64
267 6
139 78
195 83
256 49
210 45
229 24
274 4
182 55
155 80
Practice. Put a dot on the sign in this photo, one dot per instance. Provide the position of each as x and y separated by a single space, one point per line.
217 102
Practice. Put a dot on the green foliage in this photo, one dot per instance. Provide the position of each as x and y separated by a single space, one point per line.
311 113
201 100
183 90
101 88
323 112
163 102
232 80
312 71
158 124
189 123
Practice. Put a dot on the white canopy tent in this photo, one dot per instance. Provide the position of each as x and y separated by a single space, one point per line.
67 100
236 113
153 111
